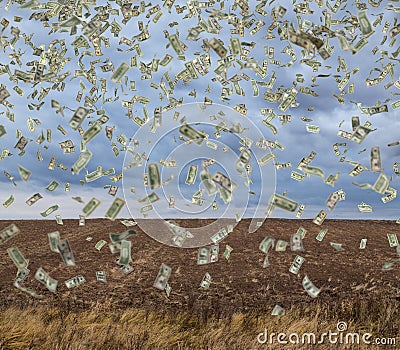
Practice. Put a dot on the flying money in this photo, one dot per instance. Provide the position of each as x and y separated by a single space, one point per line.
66 252
310 288
114 209
43 277
162 277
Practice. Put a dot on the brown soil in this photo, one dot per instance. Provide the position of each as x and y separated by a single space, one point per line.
238 285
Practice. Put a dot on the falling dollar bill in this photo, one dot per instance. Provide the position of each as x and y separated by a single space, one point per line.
43 277
16 256
206 281
90 207
8 201
376 164
227 252
52 186
219 236
162 277
49 210
321 234
297 262
125 252
266 244
381 184
283 202
192 134
78 117
393 241
296 242
278 311
75 281
363 243
114 209
54 241
119 73
319 219
66 252
82 161
101 276
191 175
207 255
154 176
310 288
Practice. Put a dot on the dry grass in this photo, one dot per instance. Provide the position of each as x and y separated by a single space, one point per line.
99 328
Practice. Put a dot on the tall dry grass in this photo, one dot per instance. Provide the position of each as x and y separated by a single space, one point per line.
56 329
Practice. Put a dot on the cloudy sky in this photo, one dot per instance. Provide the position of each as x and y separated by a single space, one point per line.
326 113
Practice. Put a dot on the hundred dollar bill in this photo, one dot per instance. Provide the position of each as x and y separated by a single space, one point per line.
218 47
206 281
381 184
191 175
319 219
297 262
125 252
114 209
207 255
75 281
162 277
66 252
376 164
266 244
49 210
54 241
42 276
154 175
119 73
90 206
283 202
192 134
82 161
78 117
393 241
17 257
310 288
296 242
24 173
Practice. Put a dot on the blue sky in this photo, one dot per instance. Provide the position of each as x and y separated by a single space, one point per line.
327 113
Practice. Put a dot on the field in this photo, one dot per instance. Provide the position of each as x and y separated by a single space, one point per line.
127 312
